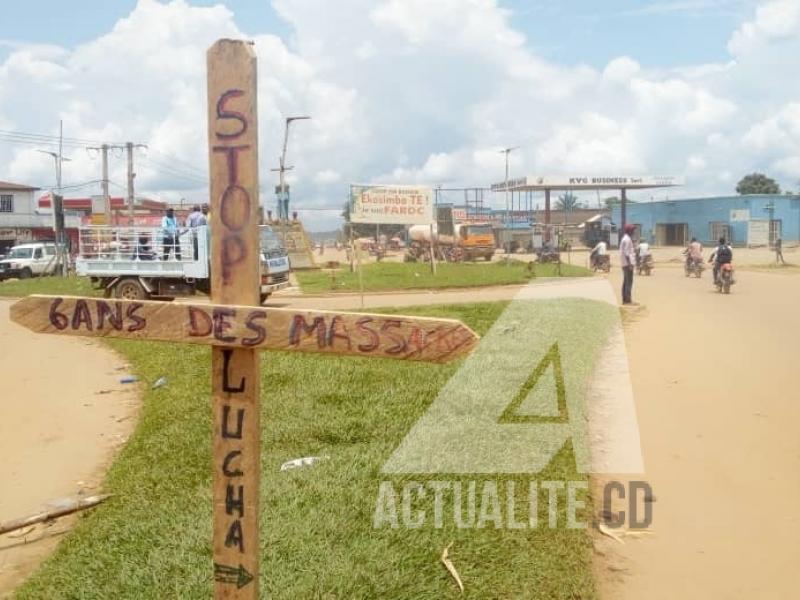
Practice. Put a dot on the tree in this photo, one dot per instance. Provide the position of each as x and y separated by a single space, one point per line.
568 202
757 183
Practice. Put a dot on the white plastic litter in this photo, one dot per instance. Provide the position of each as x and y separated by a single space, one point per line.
160 382
306 461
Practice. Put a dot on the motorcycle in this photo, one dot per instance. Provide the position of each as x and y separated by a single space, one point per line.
601 263
693 266
548 255
645 266
725 278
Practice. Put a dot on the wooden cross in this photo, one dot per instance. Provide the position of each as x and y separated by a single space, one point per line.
236 326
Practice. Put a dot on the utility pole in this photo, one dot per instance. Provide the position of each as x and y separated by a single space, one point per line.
103 149
283 200
507 151
129 150
106 197
129 146
58 230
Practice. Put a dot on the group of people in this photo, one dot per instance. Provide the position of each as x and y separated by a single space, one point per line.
629 258
171 232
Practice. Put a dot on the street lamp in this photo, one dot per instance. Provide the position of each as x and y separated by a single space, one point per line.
507 151
283 203
58 234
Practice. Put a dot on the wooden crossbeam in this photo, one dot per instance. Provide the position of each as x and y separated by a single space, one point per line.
250 327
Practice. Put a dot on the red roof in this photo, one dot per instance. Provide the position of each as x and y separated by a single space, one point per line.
7 185
117 202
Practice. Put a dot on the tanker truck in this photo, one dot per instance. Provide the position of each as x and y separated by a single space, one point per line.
467 242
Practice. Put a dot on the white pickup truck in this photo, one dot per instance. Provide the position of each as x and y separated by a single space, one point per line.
29 260
135 263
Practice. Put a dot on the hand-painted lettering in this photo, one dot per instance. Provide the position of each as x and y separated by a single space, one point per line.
233 503
234 208
221 325
235 537
226 464
252 325
416 339
338 330
299 325
226 386
225 431
114 317
232 160
372 336
225 113
57 319
138 322
399 342
81 314
200 324
233 253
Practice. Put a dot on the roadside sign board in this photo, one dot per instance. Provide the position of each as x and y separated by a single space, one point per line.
391 204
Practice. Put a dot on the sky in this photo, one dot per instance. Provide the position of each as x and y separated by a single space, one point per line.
410 91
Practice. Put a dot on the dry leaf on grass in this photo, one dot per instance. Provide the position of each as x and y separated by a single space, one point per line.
448 564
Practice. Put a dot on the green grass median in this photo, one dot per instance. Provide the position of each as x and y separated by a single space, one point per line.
66 286
152 539
386 276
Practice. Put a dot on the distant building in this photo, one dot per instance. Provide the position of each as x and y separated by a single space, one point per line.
20 219
752 220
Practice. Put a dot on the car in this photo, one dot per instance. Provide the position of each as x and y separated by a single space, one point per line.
29 260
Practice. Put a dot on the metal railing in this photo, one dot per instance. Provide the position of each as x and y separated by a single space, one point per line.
116 243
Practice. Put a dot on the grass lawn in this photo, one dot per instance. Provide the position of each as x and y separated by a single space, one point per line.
153 538
68 286
402 276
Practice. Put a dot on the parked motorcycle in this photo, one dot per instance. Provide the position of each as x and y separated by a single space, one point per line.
693 266
645 266
725 278
601 263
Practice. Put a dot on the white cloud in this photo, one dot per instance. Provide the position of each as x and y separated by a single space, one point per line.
408 91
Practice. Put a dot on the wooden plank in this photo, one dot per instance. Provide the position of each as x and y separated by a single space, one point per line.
235 276
252 327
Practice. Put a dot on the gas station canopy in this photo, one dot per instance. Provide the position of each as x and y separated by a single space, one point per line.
584 182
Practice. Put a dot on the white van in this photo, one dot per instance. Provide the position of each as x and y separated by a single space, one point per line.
28 260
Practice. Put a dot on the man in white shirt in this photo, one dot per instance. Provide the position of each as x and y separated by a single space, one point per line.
642 252
599 250
627 259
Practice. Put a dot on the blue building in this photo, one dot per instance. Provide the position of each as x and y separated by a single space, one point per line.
753 220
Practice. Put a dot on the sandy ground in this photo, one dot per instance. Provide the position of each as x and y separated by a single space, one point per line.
715 383
64 414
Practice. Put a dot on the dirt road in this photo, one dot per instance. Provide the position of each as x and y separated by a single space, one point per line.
716 387
64 413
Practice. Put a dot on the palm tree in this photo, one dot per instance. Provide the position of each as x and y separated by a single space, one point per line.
568 202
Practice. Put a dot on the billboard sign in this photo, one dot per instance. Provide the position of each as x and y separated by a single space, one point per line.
589 182
391 204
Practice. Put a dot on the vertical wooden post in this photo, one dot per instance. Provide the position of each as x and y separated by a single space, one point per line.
233 161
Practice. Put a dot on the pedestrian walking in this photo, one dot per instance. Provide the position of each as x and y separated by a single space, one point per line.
779 252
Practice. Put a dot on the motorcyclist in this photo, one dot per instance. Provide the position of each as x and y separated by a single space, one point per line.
599 250
694 252
642 252
722 255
